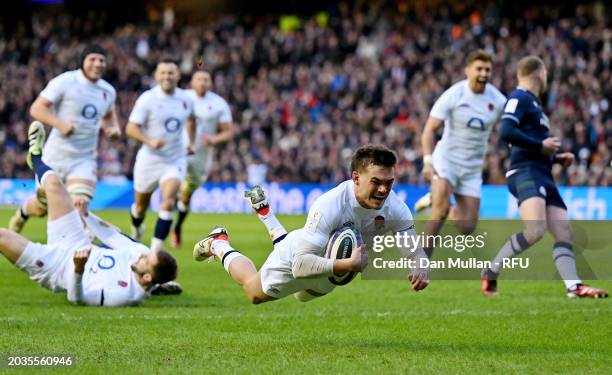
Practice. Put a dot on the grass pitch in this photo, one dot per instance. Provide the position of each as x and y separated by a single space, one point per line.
364 327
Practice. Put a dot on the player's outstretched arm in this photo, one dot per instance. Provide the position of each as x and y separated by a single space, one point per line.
41 110
112 236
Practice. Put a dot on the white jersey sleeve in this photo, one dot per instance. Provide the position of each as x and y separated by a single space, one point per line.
112 237
56 88
309 260
445 103
140 112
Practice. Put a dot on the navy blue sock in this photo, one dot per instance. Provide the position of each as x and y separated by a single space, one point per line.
40 168
179 221
162 228
136 221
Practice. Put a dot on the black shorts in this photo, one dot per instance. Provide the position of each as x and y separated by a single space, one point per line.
530 182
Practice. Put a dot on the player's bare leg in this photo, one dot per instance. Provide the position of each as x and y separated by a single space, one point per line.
138 212
12 244
533 215
188 187
169 189
464 213
441 190
239 267
563 255
33 206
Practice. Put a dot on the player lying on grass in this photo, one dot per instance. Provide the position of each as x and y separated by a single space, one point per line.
119 272
297 264
527 129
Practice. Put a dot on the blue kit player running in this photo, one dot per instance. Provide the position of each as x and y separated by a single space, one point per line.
533 151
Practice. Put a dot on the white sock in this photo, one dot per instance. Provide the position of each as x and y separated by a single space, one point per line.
134 212
24 207
274 227
165 215
569 284
181 207
225 252
157 244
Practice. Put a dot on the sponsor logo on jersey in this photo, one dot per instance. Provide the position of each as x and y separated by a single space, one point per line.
122 283
106 262
491 106
39 263
172 125
89 111
476 123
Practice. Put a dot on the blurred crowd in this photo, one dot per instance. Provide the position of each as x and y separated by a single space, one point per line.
305 91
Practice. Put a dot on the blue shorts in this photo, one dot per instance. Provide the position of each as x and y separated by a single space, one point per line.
525 183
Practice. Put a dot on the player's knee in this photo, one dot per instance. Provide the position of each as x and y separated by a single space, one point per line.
534 231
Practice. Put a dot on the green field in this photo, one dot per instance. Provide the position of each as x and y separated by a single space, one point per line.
364 327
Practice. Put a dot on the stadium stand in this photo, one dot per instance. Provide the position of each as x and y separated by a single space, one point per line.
306 90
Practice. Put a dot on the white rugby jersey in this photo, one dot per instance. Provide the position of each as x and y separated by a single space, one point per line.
339 206
468 120
210 111
82 102
108 279
163 116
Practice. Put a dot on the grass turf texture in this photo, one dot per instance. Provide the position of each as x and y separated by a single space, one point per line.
364 327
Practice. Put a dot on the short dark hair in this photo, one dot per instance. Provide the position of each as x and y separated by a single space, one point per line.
372 155
479 55
93 48
529 65
166 268
167 60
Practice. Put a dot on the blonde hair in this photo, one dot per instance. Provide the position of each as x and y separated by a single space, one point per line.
529 65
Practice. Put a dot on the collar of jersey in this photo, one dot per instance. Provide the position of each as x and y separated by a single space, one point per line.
158 92
82 79
528 92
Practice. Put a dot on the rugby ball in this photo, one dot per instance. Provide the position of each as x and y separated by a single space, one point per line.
340 246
